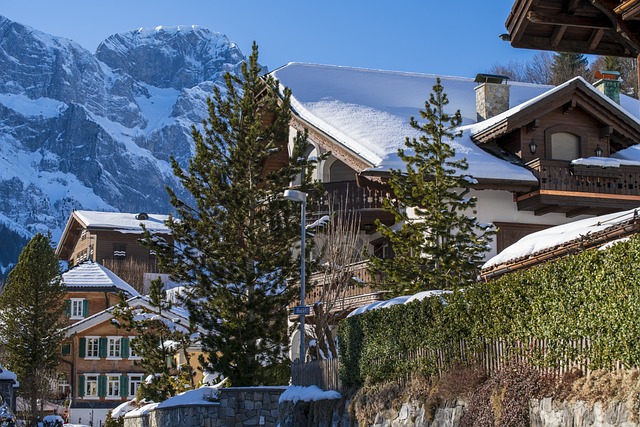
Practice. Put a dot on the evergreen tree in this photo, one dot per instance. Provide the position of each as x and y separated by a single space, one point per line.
159 338
233 239
31 318
567 65
441 246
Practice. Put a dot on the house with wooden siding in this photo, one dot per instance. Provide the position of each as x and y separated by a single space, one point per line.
113 240
101 363
540 155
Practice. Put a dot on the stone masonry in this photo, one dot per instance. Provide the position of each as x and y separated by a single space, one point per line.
238 406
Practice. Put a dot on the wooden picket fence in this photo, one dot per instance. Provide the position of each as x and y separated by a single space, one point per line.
492 355
321 373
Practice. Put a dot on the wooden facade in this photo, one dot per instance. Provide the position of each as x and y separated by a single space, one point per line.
597 27
98 242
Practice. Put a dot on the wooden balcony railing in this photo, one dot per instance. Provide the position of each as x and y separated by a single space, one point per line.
561 176
352 297
349 196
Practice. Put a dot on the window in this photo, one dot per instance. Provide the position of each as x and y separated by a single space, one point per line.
91 385
565 146
113 347
64 388
93 346
113 386
134 383
132 351
77 308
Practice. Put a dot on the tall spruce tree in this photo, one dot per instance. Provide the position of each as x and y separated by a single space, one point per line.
233 239
31 318
440 246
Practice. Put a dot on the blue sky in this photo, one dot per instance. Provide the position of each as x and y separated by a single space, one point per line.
448 38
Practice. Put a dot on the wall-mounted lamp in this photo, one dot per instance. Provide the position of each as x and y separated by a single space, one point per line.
533 147
598 151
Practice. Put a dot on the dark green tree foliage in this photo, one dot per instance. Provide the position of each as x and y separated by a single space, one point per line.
159 337
31 316
567 65
233 242
442 248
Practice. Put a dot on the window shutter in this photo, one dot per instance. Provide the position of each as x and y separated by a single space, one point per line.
82 348
80 385
124 347
67 307
66 349
102 385
85 308
102 347
124 386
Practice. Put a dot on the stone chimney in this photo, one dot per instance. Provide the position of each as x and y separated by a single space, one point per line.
609 84
492 95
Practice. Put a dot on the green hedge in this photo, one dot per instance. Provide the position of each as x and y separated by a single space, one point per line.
594 295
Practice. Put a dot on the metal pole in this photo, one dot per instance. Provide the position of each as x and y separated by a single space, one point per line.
303 232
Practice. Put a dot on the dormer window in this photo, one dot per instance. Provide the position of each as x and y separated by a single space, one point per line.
565 146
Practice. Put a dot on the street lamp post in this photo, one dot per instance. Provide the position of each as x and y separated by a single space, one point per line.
299 196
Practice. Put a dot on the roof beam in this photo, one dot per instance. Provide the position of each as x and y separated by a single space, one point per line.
569 21
596 36
571 6
556 37
546 210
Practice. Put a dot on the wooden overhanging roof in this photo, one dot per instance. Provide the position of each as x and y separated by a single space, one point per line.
575 93
599 27
588 241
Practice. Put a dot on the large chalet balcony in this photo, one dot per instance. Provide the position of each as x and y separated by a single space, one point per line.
574 189
352 297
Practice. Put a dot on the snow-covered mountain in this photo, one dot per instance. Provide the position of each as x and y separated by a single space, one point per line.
96 131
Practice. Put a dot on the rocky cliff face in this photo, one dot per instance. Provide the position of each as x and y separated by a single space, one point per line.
85 131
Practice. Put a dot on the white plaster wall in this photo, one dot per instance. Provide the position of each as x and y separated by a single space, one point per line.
498 206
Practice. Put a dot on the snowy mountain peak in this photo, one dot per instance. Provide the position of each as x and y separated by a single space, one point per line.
95 132
171 57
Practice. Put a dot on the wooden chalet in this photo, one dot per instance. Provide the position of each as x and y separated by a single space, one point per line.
540 155
99 236
112 239
99 363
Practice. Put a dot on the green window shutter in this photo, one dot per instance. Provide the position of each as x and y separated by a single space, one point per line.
85 308
124 386
80 385
124 348
102 347
102 385
67 307
66 349
82 348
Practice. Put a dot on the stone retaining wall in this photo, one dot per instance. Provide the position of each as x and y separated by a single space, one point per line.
238 406
547 413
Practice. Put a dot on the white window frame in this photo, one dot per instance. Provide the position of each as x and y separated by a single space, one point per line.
113 384
114 348
132 353
135 383
91 355
75 304
87 382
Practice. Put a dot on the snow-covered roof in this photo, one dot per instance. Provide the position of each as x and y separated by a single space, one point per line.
632 110
367 111
93 275
6 374
124 222
549 239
